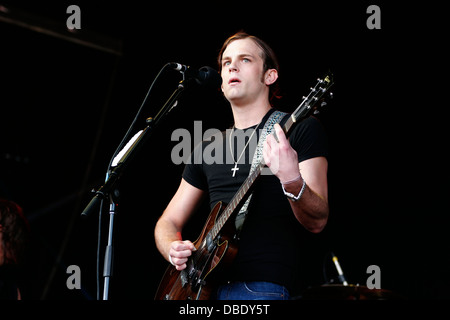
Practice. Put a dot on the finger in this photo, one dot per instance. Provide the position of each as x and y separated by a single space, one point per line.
280 134
190 245
180 254
182 267
271 142
274 134
179 261
182 245
266 153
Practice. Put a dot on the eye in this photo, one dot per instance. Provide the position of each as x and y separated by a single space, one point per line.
246 60
226 63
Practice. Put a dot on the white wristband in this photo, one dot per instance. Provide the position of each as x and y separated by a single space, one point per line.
291 181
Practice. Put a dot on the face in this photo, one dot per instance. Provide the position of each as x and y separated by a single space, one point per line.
242 73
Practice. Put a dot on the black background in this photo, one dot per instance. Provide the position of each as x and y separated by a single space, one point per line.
65 107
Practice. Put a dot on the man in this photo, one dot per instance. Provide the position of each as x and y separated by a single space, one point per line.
267 259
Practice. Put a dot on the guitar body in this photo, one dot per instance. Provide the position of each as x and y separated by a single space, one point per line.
194 283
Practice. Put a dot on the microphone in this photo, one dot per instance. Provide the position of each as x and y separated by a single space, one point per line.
339 270
205 76
178 66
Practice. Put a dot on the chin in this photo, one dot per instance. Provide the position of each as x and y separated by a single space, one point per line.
234 97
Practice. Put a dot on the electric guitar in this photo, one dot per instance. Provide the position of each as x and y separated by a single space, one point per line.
217 244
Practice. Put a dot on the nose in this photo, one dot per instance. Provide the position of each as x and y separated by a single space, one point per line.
232 67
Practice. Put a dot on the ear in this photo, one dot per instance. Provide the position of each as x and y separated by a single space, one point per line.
271 76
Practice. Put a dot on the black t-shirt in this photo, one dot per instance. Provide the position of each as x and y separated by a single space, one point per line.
271 234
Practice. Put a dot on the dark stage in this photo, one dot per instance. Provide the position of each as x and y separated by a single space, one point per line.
68 98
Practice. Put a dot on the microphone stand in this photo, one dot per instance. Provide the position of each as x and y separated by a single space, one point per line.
110 190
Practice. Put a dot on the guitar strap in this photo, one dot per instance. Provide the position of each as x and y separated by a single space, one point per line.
275 117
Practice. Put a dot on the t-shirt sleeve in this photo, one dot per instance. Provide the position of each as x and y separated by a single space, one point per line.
193 171
309 139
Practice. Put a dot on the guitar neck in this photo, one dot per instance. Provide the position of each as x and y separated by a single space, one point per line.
237 201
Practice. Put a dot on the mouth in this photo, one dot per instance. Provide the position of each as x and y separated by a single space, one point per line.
234 81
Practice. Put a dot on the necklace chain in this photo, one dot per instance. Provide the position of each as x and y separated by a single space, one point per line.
235 168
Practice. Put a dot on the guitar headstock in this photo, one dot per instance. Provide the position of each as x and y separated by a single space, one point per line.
317 93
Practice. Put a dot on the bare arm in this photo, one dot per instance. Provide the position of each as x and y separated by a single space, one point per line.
185 201
311 210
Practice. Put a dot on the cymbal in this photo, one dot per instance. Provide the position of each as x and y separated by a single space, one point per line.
349 292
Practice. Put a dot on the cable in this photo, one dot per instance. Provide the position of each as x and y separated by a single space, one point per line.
126 137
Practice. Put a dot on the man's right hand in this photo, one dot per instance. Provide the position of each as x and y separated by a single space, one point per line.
179 253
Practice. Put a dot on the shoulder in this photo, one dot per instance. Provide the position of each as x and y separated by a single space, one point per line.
310 126
309 139
311 123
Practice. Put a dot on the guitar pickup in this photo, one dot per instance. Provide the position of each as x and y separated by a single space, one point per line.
210 244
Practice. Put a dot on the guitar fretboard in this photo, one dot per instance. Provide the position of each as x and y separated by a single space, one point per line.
237 201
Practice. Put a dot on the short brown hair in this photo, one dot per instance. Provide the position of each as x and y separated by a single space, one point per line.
268 55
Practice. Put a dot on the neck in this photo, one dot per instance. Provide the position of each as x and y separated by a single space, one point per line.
249 115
